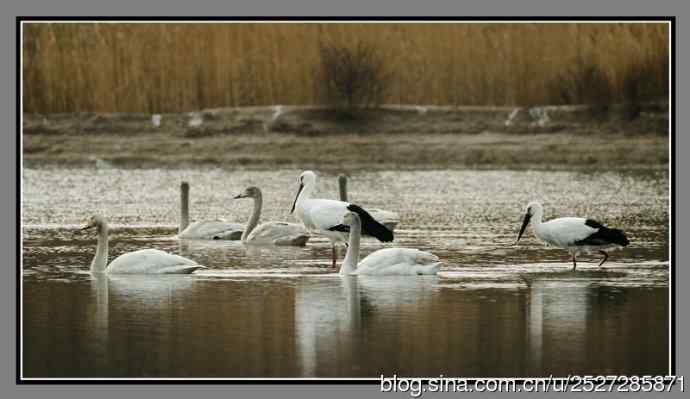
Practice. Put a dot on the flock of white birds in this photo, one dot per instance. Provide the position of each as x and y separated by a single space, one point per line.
341 222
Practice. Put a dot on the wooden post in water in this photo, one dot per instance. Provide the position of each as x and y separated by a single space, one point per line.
342 184
184 206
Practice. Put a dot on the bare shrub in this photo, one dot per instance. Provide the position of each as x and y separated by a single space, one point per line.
644 81
584 83
351 78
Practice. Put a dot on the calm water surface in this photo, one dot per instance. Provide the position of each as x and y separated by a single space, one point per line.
494 310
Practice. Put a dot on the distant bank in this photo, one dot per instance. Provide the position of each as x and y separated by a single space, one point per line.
387 137
648 118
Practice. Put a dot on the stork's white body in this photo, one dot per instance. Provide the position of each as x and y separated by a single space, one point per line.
318 215
566 232
324 216
576 235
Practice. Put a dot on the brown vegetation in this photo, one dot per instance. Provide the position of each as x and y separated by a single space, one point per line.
177 67
352 78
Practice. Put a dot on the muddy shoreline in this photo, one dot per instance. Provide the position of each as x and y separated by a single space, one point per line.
393 137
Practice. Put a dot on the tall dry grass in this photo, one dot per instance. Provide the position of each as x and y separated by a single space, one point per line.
175 67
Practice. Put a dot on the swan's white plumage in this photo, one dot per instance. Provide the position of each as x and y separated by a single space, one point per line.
204 230
399 261
270 233
279 233
213 230
144 261
387 261
151 261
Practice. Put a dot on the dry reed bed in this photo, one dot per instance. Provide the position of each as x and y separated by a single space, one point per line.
173 67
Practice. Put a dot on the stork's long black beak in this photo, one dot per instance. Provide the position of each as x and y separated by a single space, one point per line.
525 222
301 186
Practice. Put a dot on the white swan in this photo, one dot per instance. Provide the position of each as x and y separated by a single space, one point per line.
387 261
386 218
204 230
144 261
273 233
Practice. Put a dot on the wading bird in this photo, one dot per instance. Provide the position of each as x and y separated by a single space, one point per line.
324 216
575 235
143 261
273 233
387 261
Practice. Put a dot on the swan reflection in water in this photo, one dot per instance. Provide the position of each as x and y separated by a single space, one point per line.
340 326
332 314
121 303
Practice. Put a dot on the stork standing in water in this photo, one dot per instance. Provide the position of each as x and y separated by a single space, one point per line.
575 235
324 216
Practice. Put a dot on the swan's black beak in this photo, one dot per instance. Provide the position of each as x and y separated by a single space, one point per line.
239 196
301 186
525 222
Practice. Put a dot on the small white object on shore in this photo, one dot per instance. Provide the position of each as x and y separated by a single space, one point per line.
511 117
156 120
196 119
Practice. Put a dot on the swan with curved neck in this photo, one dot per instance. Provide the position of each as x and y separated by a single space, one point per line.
573 234
204 230
387 261
324 216
143 261
272 233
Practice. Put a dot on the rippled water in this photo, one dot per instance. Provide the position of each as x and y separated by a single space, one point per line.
494 310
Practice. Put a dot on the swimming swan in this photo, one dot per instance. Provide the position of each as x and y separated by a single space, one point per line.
204 230
272 233
387 261
143 261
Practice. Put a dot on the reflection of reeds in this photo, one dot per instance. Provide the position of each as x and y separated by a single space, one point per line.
181 67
